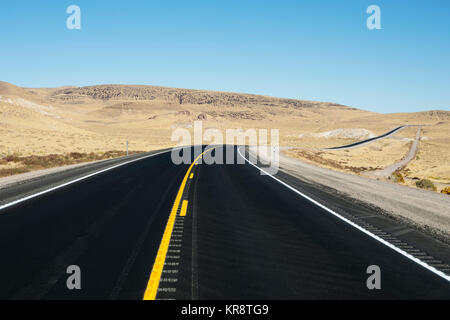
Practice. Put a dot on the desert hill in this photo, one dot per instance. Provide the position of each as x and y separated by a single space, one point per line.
177 96
10 90
102 118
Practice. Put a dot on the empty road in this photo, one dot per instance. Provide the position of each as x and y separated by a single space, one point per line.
367 141
153 229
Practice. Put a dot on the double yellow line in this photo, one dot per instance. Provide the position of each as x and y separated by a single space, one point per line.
155 276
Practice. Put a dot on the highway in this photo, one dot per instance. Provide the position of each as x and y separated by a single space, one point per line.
367 141
152 229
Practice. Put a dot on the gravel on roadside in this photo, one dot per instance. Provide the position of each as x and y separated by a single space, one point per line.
424 209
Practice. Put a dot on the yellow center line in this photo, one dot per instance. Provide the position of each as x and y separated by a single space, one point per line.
158 265
183 208
192 175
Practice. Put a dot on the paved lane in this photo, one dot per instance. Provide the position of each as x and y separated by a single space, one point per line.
110 225
232 234
258 239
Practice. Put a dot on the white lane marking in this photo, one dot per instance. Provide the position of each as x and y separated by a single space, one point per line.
10 204
402 252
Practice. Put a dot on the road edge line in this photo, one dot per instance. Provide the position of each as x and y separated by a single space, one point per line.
13 203
386 243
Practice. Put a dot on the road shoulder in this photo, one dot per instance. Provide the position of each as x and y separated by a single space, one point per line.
422 209
14 188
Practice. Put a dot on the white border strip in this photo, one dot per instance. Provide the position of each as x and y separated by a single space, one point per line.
386 243
10 204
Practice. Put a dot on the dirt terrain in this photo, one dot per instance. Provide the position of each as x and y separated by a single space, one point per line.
96 120
431 161
423 209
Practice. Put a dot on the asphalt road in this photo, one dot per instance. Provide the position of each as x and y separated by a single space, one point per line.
244 236
366 141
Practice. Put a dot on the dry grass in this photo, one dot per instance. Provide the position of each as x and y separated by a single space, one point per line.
432 161
426 184
14 164
397 177
374 156
320 158
446 190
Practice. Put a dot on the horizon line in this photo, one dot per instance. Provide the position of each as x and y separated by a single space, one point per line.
224 91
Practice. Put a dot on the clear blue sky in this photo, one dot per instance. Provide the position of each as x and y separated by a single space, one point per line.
310 49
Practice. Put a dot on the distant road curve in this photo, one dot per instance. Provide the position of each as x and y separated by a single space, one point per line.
367 141
386 172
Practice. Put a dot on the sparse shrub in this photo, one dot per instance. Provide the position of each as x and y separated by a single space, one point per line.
446 190
35 162
12 158
426 184
75 155
12 171
397 177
